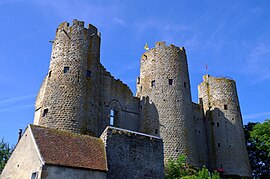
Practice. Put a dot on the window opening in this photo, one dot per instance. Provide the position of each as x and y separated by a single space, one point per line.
50 73
200 100
66 69
185 84
34 175
225 106
170 81
145 57
113 117
138 80
45 112
218 124
218 144
153 83
88 73
156 131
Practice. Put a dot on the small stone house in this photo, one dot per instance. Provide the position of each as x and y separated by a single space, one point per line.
48 153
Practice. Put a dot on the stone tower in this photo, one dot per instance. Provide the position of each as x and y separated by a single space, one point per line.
224 126
164 90
69 92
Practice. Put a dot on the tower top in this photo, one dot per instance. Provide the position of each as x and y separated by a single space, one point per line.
78 24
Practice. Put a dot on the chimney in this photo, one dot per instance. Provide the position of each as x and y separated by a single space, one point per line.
20 134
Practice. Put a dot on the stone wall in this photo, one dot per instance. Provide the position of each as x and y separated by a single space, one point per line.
164 89
24 159
78 93
132 154
224 126
200 133
115 95
53 172
71 81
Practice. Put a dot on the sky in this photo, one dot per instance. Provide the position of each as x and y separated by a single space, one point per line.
231 37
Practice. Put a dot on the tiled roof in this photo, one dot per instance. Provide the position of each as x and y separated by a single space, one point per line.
69 149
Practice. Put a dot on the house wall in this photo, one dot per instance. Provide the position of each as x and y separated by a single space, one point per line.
24 159
53 172
133 155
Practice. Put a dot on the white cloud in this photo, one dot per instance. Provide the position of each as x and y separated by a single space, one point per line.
100 14
11 101
3 2
256 115
16 108
258 62
119 21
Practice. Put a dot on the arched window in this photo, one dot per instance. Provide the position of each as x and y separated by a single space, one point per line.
115 110
113 117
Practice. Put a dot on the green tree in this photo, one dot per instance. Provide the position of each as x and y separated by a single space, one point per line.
178 168
203 173
5 152
215 175
261 134
257 138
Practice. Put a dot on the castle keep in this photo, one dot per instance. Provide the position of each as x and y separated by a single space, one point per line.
79 95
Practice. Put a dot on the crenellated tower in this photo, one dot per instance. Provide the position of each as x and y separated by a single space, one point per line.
69 93
164 90
224 126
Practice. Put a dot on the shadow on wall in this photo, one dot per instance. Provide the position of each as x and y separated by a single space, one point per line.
150 123
225 139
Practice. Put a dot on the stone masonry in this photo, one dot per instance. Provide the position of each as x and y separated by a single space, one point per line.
164 83
224 125
132 154
79 95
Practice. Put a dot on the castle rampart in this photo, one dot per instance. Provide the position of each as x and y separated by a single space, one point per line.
79 95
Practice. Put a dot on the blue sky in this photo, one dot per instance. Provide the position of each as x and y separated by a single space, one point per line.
231 37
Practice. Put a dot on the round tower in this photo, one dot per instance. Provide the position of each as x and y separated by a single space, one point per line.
224 126
69 94
164 89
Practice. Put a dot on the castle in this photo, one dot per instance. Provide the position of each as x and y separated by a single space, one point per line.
79 95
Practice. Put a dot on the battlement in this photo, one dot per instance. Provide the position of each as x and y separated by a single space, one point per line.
207 78
78 24
161 46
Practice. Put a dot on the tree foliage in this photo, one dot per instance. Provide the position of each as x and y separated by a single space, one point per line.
5 152
258 146
178 168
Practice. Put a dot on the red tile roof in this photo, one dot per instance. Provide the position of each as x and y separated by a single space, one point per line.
69 149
